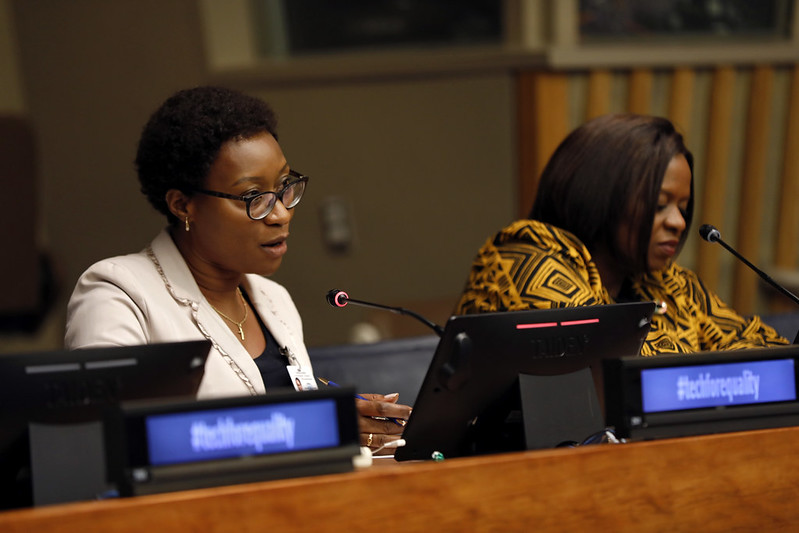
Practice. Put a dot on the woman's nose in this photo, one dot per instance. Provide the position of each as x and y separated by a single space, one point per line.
676 220
279 214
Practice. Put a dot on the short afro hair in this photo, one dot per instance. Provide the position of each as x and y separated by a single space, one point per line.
183 137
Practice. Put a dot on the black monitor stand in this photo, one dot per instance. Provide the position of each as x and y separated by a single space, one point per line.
538 412
67 462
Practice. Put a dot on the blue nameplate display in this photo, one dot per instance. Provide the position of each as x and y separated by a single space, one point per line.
213 434
707 392
718 385
158 447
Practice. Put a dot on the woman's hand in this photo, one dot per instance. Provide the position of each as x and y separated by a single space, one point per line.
381 420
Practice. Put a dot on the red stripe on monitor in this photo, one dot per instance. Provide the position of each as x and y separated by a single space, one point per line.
578 322
538 325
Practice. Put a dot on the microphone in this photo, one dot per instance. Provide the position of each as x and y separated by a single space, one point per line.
711 234
339 298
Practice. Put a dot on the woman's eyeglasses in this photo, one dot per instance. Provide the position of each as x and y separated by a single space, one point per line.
261 204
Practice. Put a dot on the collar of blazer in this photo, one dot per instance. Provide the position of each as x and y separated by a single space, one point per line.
184 289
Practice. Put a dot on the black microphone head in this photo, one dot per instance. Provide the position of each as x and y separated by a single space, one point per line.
337 298
709 233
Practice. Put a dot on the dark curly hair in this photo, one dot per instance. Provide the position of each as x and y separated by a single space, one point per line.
183 137
606 173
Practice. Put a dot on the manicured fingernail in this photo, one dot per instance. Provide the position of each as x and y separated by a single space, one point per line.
392 395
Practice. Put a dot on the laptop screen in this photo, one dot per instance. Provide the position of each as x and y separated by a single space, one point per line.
474 373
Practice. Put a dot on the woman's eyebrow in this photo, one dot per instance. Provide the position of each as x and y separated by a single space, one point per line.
248 179
257 179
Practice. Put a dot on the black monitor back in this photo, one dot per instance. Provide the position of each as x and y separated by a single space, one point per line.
72 388
472 383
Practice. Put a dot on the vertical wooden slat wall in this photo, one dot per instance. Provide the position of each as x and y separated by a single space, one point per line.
681 99
787 230
544 121
639 96
753 180
717 148
785 255
542 100
600 83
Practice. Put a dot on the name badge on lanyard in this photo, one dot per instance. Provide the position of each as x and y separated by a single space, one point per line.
301 378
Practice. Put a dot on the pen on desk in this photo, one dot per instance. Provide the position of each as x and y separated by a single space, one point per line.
398 421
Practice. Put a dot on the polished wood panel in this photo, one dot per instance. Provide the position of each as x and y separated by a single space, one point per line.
736 481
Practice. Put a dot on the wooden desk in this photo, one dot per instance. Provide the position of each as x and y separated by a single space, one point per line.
738 481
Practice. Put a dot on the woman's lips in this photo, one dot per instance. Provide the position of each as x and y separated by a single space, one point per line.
276 247
669 248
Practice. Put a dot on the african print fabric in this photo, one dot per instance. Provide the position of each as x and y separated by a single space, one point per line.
530 264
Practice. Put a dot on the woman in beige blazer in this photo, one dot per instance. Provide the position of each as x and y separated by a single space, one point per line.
209 160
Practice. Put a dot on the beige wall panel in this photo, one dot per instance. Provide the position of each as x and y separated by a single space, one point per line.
11 91
426 168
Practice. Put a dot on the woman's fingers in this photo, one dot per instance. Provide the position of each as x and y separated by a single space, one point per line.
383 426
380 444
377 405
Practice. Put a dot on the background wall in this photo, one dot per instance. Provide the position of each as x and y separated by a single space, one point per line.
422 153
11 100
425 165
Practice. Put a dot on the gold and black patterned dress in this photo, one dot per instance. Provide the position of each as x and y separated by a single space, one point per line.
530 264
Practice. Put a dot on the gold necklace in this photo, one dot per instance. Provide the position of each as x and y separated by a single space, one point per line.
243 320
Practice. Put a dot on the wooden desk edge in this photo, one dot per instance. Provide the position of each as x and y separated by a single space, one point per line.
746 479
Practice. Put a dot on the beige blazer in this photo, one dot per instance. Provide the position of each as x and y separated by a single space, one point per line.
125 300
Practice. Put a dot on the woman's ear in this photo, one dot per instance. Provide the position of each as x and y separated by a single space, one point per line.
178 204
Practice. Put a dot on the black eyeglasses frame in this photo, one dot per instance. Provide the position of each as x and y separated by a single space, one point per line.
297 178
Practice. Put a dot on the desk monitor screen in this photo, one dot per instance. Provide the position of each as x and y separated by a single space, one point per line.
60 390
706 392
472 385
164 446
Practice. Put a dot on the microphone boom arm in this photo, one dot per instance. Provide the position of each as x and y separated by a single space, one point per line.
759 272
338 298
400 311
711 235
